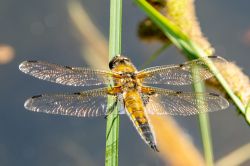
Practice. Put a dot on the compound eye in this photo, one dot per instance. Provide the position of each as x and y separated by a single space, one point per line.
111 65
113 62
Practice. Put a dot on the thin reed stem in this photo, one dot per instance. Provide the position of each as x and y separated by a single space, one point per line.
206 138
112 129
204 124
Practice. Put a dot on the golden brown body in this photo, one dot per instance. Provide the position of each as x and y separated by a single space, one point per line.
130 88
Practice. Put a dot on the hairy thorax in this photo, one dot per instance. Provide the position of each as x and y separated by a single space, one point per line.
128 82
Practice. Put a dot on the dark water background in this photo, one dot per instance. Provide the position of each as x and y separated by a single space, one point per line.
42 30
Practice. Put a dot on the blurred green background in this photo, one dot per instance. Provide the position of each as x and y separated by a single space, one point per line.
43 30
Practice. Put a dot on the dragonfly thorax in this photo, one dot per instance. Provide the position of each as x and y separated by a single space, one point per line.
127 81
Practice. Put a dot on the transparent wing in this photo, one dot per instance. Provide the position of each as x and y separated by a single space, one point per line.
66 75
82 104
164 102
178 74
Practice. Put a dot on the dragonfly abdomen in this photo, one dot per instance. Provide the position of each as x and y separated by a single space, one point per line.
135 109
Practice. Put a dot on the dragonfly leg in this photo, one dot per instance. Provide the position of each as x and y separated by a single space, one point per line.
154 147
118 99
146 92
111 108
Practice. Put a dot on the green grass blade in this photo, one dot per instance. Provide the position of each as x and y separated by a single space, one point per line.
204 124
112 129
206 138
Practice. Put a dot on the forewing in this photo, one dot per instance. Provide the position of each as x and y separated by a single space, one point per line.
66 75
178 74
82 104
164 102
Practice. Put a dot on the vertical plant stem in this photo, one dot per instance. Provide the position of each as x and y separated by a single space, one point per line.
206 138
112 129
199 87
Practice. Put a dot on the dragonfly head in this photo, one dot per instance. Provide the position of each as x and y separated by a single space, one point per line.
118 59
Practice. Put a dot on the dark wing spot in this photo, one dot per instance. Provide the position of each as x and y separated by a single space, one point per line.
68 67
214 94
214 56
32 61
179 92
37 96
77 93
181 65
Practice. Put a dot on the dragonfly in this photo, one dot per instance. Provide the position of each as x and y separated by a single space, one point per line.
136 91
